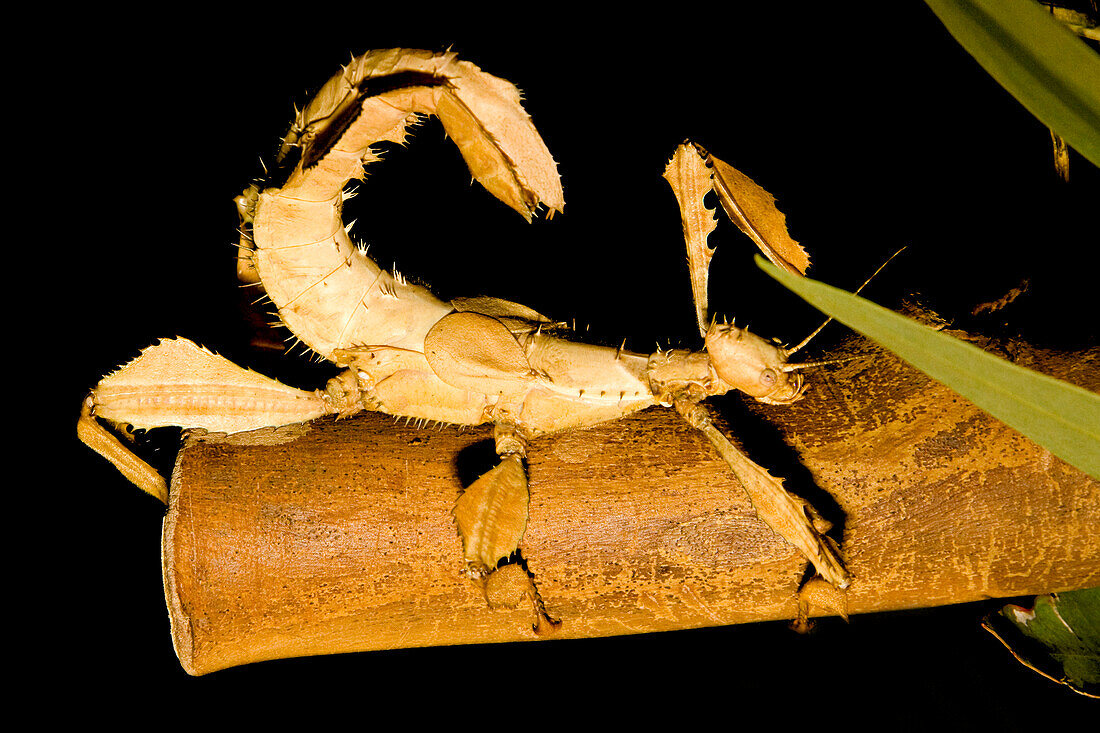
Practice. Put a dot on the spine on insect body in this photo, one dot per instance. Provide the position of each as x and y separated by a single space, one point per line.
325 288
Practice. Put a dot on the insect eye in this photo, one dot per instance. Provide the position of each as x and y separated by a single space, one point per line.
768 377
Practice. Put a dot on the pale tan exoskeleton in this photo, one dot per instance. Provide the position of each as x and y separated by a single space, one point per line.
465 362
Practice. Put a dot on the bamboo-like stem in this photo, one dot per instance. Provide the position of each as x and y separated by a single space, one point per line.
339 537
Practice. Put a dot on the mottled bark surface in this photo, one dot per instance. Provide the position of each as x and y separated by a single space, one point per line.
338 536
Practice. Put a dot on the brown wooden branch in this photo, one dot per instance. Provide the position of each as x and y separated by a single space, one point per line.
338 536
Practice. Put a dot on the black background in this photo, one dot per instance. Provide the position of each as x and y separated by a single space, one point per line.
868 123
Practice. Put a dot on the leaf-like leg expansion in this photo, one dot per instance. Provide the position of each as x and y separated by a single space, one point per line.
691 180
693 173
177 382
99 439
789 516
491 515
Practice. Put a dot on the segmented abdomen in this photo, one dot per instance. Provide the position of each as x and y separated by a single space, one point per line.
327 291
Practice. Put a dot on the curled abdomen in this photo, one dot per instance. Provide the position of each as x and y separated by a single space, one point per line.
326 290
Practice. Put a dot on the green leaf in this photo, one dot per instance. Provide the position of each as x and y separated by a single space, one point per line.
1059 637
1061 417
1050 71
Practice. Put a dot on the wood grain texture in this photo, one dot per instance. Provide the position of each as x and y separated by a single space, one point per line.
338 536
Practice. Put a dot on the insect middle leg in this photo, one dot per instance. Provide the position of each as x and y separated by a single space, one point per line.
491 515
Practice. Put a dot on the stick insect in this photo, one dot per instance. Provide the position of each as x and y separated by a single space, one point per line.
472 360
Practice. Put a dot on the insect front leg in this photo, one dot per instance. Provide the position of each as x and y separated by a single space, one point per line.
791 517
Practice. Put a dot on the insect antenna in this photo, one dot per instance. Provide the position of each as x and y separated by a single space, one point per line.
808 364
818 330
